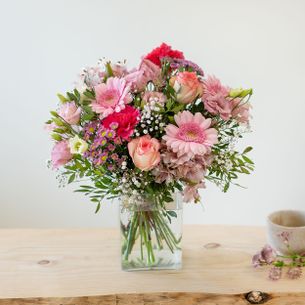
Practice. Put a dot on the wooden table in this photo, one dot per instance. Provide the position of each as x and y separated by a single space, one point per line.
59 266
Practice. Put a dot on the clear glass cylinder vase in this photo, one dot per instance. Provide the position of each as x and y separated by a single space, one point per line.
151 234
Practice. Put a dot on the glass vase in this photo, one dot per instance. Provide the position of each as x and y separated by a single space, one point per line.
150 233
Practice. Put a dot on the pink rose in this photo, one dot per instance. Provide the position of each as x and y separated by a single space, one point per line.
187 86
70 113
144 152
61 154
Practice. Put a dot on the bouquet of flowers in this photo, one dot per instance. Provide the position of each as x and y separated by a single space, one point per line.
147 133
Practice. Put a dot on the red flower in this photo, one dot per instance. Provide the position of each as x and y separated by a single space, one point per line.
126 119
164 50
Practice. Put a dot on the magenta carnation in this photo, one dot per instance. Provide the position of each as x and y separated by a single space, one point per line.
192 136
125 121
162 51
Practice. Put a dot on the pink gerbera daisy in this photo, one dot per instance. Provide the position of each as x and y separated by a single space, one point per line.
111 96
192 136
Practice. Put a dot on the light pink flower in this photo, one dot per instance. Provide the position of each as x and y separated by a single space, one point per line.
173 167
111 96
264 257
154 96
192 136
61 154
240 111
190 192
50 127
70 113
119 69
146 72
187 86
144 152
215 98
89 77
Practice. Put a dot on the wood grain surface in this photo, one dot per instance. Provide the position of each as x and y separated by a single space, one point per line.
48 266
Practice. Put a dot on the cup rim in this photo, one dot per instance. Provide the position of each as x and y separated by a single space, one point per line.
281 226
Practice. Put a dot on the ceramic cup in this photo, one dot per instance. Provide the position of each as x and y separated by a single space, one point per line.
287 224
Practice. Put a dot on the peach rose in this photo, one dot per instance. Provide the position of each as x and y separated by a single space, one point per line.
187 86
144 152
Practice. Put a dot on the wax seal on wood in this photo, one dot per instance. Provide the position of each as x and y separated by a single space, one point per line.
256 297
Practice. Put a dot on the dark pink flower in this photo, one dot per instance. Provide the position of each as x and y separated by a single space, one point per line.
126 121
265 257
162 51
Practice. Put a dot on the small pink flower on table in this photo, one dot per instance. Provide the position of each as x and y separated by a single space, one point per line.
187 86
144 152
193 135
70 113
61 154
111 96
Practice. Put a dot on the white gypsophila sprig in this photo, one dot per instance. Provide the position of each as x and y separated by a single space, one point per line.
151 119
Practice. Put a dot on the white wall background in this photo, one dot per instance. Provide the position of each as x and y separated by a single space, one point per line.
245 43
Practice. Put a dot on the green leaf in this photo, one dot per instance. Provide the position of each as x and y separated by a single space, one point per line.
97 207
54 113
226 187
76 93
172 213
89 94
88 116
244 170
71 178
58 122
279 264
56 136
178 108
247 160
109 69
62 98
71 96
248 149
59 130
